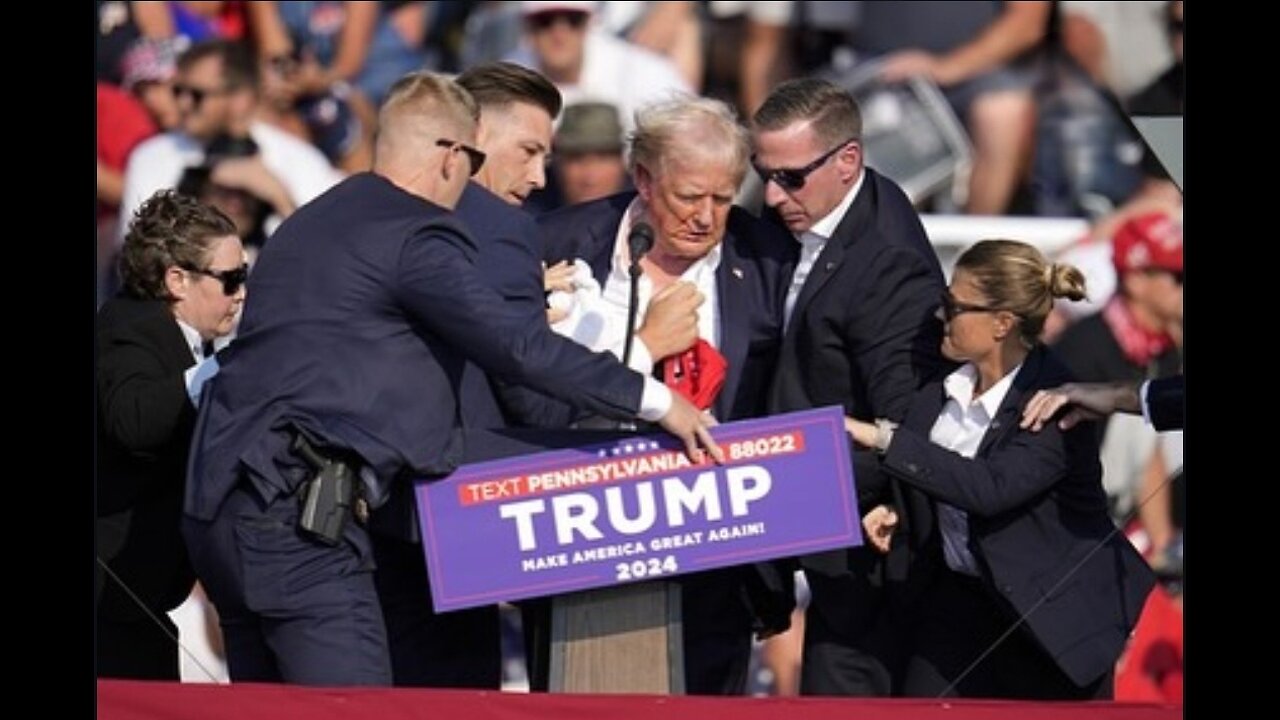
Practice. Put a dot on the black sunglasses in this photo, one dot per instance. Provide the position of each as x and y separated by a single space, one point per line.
476 157
544 20
793 179
197 94
952 307
231 279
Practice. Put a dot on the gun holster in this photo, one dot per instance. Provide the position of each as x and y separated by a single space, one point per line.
329 497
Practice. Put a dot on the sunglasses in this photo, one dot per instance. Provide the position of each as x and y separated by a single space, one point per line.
952 307
794 178
197 94
544 20
231 280
476 157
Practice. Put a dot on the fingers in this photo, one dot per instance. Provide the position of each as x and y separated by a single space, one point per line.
1072 418
1044 404
704 435
558 277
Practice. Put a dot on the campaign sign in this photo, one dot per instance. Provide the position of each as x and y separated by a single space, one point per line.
636 509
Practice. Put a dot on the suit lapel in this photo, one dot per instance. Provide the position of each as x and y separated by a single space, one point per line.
173 342
856 221
1006 418
603 230
735 307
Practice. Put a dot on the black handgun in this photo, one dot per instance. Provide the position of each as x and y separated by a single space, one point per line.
326 497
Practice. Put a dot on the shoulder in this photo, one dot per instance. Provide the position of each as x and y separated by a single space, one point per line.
478 207
1045 369
127 319
749 236
579 221
123 311
167 147
271 138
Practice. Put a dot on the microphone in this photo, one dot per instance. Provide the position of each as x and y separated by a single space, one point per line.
639 241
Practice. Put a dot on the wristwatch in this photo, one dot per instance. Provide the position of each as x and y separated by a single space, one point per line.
884 434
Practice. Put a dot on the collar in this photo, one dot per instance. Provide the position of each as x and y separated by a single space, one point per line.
959 387
826 227
195 343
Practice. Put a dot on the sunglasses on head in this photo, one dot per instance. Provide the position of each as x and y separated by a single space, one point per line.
476 157
543 20
197 94
794 178
231 279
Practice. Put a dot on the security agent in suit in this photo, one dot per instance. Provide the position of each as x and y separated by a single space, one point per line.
179 261
860 333
517 106
688 157
1023 541
367 304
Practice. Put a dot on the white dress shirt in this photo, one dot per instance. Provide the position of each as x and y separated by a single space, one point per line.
812 241
960 427
599 321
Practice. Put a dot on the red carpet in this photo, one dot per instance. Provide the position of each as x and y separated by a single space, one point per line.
126 700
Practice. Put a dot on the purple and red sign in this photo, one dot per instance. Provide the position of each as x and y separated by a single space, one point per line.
638 508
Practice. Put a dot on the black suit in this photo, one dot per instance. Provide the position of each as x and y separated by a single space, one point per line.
862 335
144 428
1047 550
360 312
718 607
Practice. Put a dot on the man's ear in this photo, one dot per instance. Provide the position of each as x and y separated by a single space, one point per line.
644 184
851 159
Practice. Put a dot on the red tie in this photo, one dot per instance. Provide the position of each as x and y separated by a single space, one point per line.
696 373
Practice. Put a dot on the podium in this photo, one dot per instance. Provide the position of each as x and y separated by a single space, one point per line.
624 639
590 532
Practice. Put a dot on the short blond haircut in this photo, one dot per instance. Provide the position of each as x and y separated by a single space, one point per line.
422 107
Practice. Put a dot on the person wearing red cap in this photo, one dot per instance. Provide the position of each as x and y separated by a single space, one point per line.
710 302
1137 336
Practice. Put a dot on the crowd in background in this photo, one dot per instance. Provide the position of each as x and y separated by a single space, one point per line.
257 108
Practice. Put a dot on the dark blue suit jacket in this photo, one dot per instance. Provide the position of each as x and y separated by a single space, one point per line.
508 259
358 315
750 283
1038 521
863 333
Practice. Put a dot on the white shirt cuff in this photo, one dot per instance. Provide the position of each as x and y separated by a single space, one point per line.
655 402
197 375
641 359
1142 401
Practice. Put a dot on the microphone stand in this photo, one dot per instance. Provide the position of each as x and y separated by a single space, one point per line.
633 302
633 307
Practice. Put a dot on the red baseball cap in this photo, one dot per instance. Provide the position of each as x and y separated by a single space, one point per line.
1152 241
